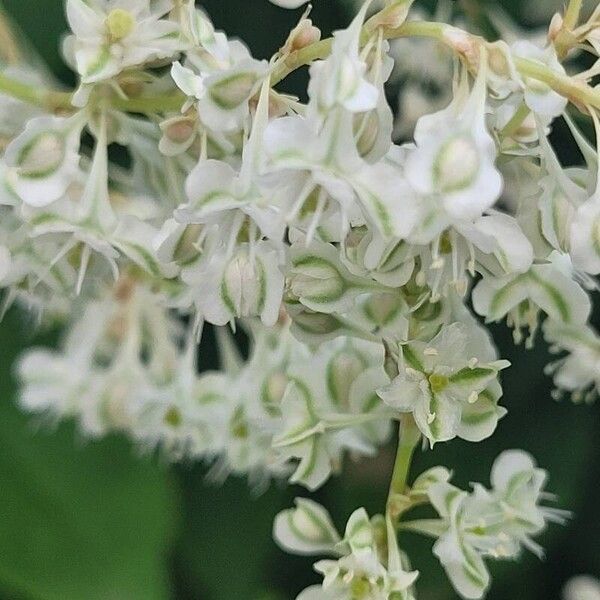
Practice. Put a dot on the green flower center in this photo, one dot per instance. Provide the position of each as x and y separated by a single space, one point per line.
173 417
438 382
119 24
359 588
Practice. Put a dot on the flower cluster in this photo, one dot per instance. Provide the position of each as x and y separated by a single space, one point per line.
359 250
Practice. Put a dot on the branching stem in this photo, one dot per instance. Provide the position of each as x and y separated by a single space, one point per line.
576 91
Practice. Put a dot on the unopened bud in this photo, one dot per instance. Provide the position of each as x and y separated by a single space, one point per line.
316 279
556 26
42 156
178 129
304 34
457 164
230 92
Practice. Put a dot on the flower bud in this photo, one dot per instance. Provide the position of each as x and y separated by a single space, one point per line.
366 129
233 90
343 369
242 286
42 156
316 279
457 164
304 34
556 26
306 529
178 135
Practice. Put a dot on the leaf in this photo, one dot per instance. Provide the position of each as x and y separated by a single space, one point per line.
78 521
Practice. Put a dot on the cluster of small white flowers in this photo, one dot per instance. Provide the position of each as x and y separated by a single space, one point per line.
351 261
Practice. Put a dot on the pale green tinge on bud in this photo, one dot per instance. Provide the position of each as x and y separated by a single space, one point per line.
230 92
342 371
457 164
317 277
44 160
225 105
252 284
243 288
585 237
248 283
425 480
359 533
306 529
316 280
544 287
42 155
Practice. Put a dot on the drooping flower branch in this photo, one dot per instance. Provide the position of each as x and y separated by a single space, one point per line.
350 260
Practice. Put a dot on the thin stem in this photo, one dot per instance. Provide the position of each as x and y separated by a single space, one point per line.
53 100
160 103
576 91
408 438
48 99
458 40
516 121
300 58
572 14
9 50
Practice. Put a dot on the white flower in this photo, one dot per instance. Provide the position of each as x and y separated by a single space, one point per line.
320 281
539 96
245 283
220 77
585 236
44 160
339 81
495 523
453 163
359 572
112 35
545 287
449 384
330 406
313 167
289 3
579 372
582 587
306 529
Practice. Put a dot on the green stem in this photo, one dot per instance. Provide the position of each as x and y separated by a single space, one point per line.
408 438
161 103
48 99
572 14
578 92
53 101
300 58
516 121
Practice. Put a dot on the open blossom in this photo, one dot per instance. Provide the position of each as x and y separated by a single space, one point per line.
112 35
449 384
490 523
358 571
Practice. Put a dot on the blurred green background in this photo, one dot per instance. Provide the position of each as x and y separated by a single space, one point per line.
83 520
